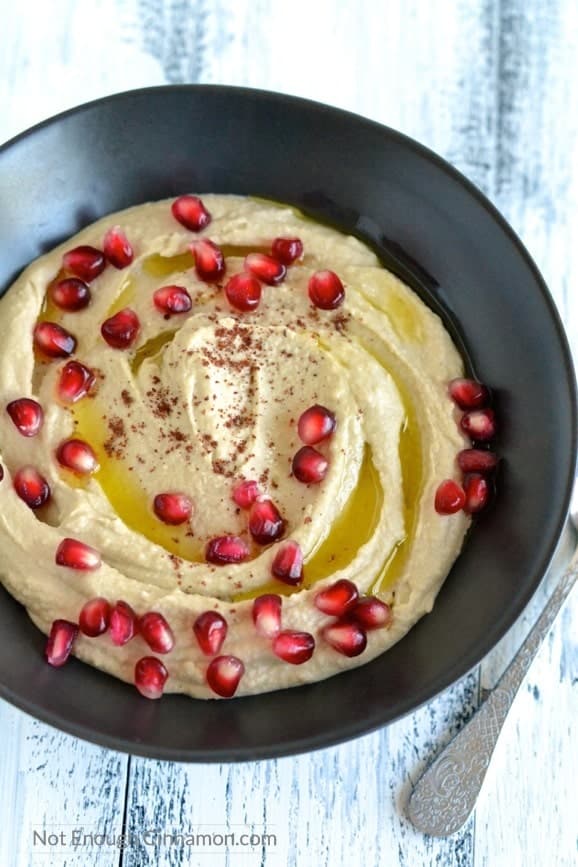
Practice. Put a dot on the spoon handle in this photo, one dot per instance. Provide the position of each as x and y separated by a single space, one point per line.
446 794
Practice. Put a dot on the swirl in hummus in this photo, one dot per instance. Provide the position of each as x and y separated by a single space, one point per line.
204 399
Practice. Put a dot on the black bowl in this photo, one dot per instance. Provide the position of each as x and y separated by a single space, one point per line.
434 229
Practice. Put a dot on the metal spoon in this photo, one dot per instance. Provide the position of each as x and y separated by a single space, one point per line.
446 794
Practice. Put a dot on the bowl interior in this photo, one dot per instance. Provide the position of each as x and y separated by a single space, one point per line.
436 231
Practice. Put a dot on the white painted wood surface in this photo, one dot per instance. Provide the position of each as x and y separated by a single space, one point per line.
492 85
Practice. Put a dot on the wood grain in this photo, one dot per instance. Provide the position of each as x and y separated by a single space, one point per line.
492 85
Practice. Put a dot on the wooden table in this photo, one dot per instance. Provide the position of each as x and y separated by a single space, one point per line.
492 85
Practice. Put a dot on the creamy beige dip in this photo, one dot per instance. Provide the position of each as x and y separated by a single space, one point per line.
212 396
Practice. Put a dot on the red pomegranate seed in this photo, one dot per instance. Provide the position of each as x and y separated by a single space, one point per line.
315 424
326 290
266 268
449 498
85 262
77 555
477 461
224 674
172 299
294 647
245 494
75 382
94 616
117 248
243 292
156 632
338 598
121 330
287 250
267 614
70 294
346 636
150 676
226 549
173 508
122 624
78 456
53 340
480 424
287 565
477 489
1 472
31 487
27 415
468 393
209 260
309 466
60 641
371 613
191 213
265 523
210 630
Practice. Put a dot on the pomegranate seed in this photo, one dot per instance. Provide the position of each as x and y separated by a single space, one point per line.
243 292
480 424
477 489
315 424
309 466
371 613
267 615
70 294
326 290
223 675
150 676
266 268
468 393
210 630
245 494
78 456
121 330
60 641
209 260
346 636
287 565
31 487
53 340
85 262
449 498
156 632
172 299
94 616
287 250
77 555
122 624
1 472
477 461
27 415
117 248
191 213
294 647
265 523
226 549
75 382
173 509
338 598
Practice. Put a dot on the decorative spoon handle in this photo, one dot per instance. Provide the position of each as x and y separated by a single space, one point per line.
446 794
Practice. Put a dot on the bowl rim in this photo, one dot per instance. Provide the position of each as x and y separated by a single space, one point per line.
465 665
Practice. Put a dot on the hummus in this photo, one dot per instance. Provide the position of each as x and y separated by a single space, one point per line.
207 398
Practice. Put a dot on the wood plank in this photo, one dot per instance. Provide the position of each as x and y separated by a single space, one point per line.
322 806
536 187
54 784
